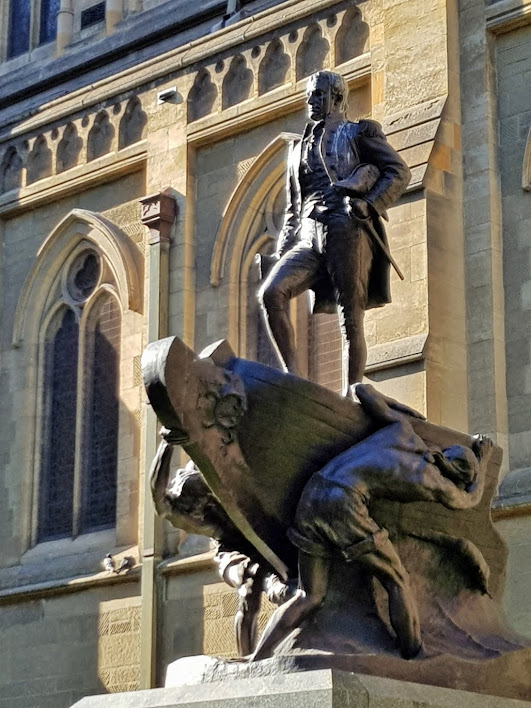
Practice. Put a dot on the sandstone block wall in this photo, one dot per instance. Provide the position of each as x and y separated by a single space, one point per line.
439 76
513 65
59 649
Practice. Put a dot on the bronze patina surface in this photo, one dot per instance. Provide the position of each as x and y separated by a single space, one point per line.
265 440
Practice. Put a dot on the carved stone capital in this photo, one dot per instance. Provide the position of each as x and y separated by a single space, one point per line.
159 211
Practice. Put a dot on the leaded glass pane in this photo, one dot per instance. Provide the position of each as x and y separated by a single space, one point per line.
19 27
48 24
100 450
59 428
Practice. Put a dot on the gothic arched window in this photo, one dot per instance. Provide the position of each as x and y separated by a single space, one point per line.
56 494
81 299
80 406
250 227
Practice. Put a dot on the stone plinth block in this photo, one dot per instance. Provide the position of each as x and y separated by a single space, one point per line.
313 689
506 675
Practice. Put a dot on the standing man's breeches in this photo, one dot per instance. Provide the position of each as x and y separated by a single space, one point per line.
349 254
341 250
295 273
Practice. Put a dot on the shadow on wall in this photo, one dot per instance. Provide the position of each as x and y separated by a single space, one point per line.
118 645
63 647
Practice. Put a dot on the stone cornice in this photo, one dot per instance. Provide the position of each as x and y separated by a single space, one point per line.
177 20
397 353
514 496
192 564
170 63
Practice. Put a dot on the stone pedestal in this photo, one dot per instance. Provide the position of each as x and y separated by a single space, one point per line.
327 688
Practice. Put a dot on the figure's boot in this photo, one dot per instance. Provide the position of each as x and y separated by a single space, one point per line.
405 620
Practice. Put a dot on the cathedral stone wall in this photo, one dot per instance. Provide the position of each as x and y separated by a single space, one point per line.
61 648
513 69
161 101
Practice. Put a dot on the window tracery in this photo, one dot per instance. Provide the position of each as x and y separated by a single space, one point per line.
84 290
80 413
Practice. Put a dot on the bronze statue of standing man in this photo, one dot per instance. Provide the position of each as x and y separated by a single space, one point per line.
342 177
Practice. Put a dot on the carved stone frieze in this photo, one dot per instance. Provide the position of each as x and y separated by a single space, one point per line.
335 36
82 138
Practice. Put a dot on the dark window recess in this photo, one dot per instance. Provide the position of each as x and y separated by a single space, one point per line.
48 23
19 27
93 15
100 449
265 351
56 495
83 276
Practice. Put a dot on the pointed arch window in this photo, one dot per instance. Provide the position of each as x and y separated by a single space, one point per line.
83 294
253 219
80 406
101 409
56 496
251 223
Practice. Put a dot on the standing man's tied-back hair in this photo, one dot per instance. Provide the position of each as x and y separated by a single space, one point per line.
338 87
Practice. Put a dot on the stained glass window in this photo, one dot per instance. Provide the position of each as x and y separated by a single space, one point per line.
79 458
59 428
100 450
19 27
48 23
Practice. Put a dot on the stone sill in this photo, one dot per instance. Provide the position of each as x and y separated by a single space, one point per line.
510 511
202 561
81 583
64 586
397 353
49 551
515 495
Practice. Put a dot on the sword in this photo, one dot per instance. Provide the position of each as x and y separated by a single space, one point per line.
376 236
